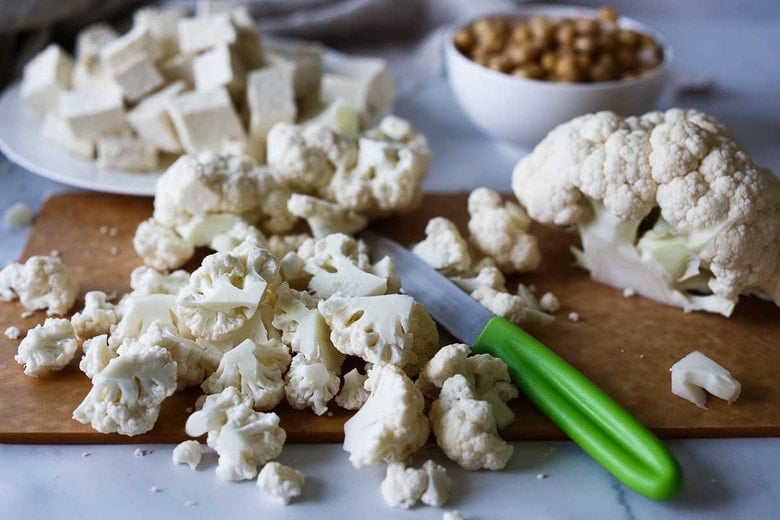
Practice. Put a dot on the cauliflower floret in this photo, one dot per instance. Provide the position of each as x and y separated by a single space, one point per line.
281 245
97 354
666 204
97 317
282 482
385 268
500 230
138 314
48 347
12 332
161 247
189 453
444 248
465 427
549 302
146 280
391 328
42 282
402 486
304 328
127 394
219 231
325 218
242 437
391 425
255 369
439 485
193 362
339 263
695 373
309 384
226 291
353 393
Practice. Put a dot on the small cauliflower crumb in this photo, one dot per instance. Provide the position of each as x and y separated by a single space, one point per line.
18 215
574 316
541 476
281 482
695 373
154 489
188 452
141 452
549 302
13 332
452 515
628 292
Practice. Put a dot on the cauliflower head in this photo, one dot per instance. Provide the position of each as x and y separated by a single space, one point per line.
42 282
48 347
666 204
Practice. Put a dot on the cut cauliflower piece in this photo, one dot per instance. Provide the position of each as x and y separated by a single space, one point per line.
439 485
97 354
391 425
695 373
161 247
385 268
256 370
402 486
444 248
97 317
212 409
281 245
146 280
42 282
193 362
282 482
309 384
465 427
339 264
391 328
549 302
258 328
48 347
220 228
189 453
501 230
666 204
127 394
304 328
325 218
353 393
226 290
138 314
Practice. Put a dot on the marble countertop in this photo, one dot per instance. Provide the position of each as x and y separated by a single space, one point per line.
725 478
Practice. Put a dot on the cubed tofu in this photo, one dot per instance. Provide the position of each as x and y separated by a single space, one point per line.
151 122
45 77
219 67
91 40
90 76
138 78
93 113
306 62
364 83
254 148
179 68
270 99
127 153
162 26
205 120
116 54
56 131
204 32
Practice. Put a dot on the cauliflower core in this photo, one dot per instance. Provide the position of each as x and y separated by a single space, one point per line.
695 373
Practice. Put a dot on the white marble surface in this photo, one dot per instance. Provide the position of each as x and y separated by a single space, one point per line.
726 478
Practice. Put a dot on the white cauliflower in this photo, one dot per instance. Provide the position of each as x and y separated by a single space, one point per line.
97 317
339 264
193 362
402 486
97 354
695 373
243 438
309 384
353 393
42 282
48 347
226 291
161 247
666 204
391 425
256 370
188 452
138 314
465 427
549 302
325 218
281 245
282 482
391 328
444 248
439 485
146 280
225 230
126 395
501 230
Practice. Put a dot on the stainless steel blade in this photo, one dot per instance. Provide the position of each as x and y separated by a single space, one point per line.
455 310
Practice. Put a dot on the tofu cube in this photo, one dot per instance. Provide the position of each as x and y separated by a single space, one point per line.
91 41
138 78
116 54
56 131
127 153
86 76
364 83
218 67
306 62
204 32
151 122
254 148
270 99
205 120
162 26
179 68
93 113
45 77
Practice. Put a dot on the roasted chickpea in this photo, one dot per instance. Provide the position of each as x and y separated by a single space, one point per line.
521 34
548 61
586 44
531 71
463 40
627 38
565 34
586 26
500 63
607 14
566 68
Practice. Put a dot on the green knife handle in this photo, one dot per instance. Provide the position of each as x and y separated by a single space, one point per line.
584 412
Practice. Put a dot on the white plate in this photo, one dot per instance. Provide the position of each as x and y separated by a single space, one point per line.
19 140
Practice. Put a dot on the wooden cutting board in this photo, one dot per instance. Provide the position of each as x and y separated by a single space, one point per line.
625 345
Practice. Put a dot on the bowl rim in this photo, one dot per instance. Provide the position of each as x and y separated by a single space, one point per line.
560 10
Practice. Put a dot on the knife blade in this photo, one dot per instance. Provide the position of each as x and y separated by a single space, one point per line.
578 407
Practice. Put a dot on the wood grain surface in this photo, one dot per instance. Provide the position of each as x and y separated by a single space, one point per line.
625 345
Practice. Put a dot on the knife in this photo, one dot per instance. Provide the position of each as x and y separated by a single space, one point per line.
578 407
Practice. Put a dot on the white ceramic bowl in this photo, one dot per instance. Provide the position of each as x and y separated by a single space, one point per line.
522 111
